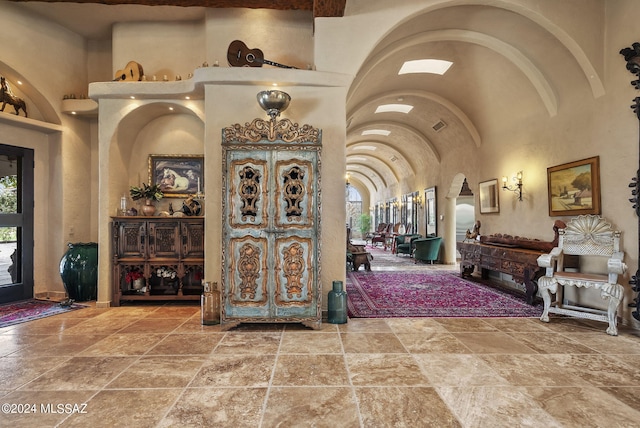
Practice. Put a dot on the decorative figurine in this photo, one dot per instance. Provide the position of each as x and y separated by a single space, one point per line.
8 98
191 207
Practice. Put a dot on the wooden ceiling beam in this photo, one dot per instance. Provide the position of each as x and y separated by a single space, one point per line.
328 8
320 8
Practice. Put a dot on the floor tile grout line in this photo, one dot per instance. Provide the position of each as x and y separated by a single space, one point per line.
353 389
265 403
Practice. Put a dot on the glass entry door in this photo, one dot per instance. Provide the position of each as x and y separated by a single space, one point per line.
16 223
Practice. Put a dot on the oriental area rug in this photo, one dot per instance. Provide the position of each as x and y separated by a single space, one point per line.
32 309
380 294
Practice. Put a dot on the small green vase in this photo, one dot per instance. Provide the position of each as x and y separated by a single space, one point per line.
79 271
337 304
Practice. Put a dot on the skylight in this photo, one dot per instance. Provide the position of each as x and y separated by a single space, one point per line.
357 159
434 66
398 108
376 132
366 148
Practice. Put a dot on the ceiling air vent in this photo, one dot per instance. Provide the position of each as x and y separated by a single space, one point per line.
393 158
439 126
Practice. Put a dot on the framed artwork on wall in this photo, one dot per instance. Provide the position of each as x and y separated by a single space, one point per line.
489 193
178 176
574 188
430 208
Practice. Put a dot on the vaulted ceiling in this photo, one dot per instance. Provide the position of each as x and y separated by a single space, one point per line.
511 66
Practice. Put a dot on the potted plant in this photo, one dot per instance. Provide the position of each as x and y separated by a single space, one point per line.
150 193
134 277
365 225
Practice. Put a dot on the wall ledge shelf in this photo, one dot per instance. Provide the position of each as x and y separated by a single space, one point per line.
80 107
28 123
194 87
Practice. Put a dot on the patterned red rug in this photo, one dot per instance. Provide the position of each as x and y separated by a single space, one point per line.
28 310
429 294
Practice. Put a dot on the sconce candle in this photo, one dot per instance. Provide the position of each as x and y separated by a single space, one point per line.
518 186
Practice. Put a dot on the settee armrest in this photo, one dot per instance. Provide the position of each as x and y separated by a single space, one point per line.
550 260
616 266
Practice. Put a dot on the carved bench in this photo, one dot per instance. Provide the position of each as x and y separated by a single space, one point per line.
357 256
585 235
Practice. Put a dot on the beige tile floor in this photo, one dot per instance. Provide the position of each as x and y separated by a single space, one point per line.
157 366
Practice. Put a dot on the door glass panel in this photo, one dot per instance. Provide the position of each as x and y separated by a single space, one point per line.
8 184
9 256
16 223
9 204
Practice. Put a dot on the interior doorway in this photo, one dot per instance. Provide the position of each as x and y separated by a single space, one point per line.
16 223
465 211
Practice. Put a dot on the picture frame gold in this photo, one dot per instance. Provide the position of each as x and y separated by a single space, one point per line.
179 176
574 188
489 196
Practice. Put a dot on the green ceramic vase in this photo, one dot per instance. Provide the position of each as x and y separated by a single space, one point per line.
337 304
79 271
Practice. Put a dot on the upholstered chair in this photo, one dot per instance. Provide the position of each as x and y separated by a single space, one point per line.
427 249
404 243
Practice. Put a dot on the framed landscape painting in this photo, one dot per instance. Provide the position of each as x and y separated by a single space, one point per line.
574 188
489 202
178 176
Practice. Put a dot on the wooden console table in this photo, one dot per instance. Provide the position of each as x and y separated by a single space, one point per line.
520 263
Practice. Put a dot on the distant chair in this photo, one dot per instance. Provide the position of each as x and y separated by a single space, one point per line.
404 243
381 237
380 229
427 249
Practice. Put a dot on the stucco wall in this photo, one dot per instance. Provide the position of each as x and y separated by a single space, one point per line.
51 62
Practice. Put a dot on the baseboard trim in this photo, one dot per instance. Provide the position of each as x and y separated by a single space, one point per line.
51 295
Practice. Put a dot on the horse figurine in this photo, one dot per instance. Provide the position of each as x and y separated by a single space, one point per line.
8 98
472 235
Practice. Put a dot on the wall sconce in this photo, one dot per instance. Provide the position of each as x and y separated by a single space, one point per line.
347 180
396 204
517 187
418 200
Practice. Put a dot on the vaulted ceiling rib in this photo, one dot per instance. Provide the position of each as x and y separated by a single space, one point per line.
453 108
527 67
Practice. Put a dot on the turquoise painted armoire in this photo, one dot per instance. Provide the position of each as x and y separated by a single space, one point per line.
271 223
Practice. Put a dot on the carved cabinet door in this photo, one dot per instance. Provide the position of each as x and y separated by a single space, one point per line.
271 219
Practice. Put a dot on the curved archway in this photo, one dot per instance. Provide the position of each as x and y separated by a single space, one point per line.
124 156
450 217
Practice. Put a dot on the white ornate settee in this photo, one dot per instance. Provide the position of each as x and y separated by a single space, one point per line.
586 235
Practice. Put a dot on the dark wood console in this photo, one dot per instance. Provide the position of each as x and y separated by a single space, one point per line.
520 263
157 258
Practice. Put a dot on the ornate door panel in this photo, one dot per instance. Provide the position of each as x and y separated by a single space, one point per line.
247 277
164 240
270 232
192 239
132 239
